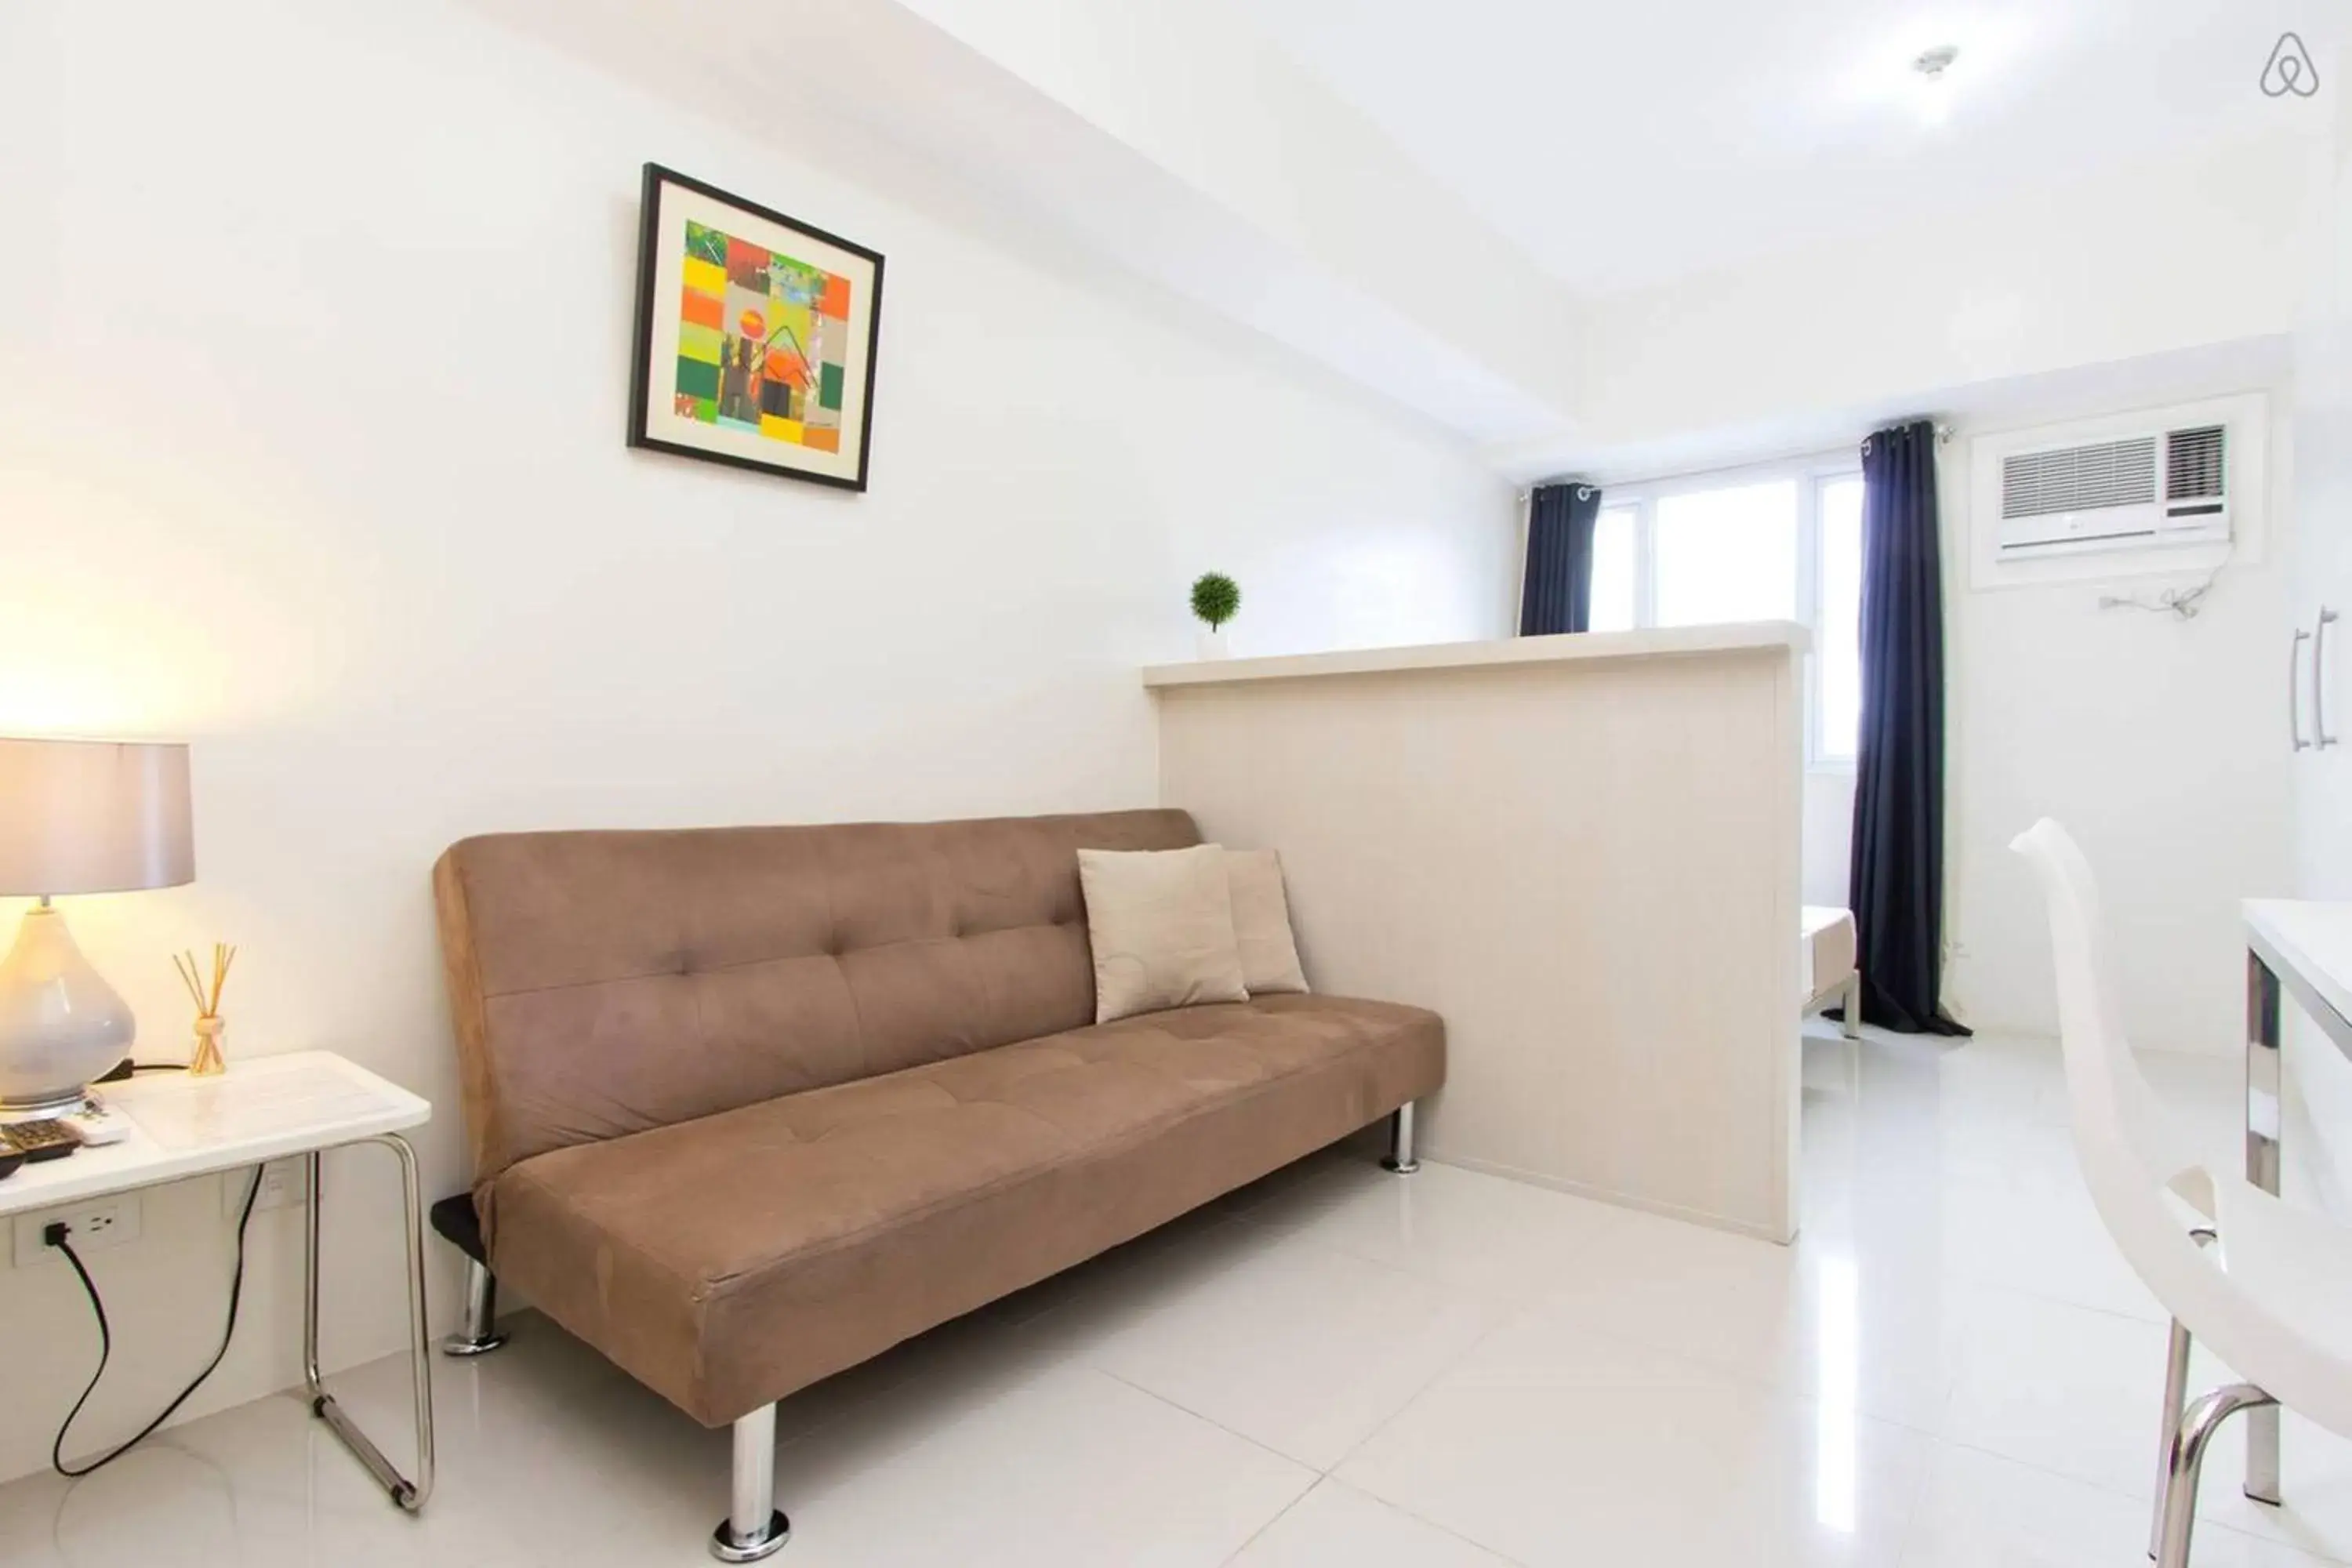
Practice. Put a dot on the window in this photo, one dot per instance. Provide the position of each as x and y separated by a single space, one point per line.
1777 543
1612 570
1837 621
1726 555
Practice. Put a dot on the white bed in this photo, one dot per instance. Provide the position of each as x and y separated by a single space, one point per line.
1826 965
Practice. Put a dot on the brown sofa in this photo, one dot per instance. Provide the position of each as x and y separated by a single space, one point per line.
749 1106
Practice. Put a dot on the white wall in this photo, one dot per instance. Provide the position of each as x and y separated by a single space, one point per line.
2160 744
313 371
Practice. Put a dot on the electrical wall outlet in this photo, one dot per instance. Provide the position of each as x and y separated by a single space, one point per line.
94 1225
283 1185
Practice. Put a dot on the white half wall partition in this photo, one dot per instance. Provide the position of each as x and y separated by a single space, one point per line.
1582 851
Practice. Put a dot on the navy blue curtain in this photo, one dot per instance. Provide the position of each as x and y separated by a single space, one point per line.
1558 593
1895 887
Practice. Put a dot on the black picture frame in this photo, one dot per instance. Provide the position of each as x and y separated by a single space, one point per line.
649 321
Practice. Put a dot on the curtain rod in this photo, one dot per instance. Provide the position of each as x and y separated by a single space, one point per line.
1944 434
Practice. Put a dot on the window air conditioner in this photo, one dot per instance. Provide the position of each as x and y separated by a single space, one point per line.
2139 491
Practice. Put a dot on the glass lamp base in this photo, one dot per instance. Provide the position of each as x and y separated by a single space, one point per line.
41 1110
61 1024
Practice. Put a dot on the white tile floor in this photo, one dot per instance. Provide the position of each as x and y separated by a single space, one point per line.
1338 1367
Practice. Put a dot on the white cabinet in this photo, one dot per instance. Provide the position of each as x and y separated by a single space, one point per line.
2320 556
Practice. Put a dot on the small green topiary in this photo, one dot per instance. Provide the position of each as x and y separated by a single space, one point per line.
1215 598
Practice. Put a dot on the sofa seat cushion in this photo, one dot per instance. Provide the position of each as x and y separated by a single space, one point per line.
729 1261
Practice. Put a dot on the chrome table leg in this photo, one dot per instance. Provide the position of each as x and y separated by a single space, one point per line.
2264 1124
753 1528
409 1495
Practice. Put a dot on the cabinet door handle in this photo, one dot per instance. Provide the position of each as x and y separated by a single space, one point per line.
2319 678
2295 689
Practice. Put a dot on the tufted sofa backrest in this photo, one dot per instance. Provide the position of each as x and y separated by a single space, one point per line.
607 983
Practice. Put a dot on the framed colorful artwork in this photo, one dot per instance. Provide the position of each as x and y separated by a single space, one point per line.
755 336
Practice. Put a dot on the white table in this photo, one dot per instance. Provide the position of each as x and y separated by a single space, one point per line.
2305 949
266 1107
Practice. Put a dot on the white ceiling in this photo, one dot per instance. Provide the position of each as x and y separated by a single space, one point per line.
2111 186
1629 143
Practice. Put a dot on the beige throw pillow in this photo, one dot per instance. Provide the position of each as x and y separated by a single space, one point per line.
1262 923
1161 923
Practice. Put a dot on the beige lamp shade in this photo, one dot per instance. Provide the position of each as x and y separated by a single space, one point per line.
93 817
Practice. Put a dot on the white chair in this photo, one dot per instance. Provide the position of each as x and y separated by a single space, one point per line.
2272 1293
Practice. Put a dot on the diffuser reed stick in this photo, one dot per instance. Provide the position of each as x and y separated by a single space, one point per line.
207 1059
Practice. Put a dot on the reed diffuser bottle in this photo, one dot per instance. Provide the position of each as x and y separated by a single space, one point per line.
208 1058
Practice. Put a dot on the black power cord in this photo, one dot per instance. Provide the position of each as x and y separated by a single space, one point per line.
126 1066
56 1234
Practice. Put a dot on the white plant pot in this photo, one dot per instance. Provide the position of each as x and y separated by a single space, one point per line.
1213 643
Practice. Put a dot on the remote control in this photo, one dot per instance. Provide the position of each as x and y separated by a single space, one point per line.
38 1140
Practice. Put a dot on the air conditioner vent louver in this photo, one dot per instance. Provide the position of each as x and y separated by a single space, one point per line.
2151 491
2079 479
2194 464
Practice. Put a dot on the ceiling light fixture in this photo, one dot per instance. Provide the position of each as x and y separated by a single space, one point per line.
1935 96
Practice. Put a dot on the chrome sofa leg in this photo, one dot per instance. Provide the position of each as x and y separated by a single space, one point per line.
479 1335
753 1528
1849 1008
2188 1461
1401 1157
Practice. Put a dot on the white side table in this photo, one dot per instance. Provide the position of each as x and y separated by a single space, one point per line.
267 1107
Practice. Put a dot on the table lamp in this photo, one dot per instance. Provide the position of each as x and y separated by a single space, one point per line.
78 817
